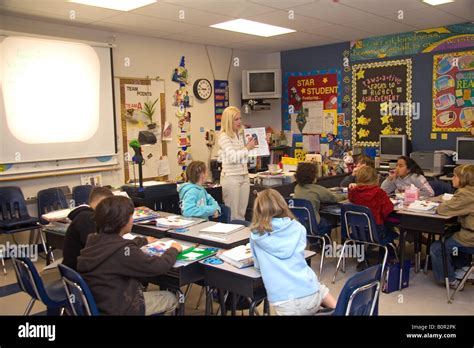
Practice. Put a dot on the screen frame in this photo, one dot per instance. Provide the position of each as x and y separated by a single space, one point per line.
463 139
247 94
391 156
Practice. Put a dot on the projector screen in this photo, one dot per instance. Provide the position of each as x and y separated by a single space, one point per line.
56 100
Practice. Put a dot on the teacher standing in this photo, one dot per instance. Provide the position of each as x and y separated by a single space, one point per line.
233 154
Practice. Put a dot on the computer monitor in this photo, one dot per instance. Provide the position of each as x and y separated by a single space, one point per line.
465 150
392 146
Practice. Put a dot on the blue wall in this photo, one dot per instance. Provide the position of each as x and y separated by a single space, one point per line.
330 57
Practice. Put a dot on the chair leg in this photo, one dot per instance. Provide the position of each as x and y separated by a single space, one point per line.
339 261
3 264
383 267
49 253
322 257
29 307
461 285
427 258
200 297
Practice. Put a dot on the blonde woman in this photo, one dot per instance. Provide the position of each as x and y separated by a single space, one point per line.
278 242
233 153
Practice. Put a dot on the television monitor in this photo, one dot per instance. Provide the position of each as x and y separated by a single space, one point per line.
261 84
392 146
465 150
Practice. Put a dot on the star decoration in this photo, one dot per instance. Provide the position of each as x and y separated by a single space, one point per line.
360 74
325 80
303 90
361 106
386 119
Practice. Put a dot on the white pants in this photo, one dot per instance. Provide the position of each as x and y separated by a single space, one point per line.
235 193
308 305
157 301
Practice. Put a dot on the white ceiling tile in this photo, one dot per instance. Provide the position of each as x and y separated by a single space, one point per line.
136 21
192 39
331 11
343 33
388 8
282 4
181 13
305 38
381 26
219 34
297 22
233 8
429 18
460 8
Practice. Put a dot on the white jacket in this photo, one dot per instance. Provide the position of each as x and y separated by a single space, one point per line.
233 154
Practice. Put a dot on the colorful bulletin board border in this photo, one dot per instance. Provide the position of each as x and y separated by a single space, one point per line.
315 74
221 100
375 86
453 92
450 37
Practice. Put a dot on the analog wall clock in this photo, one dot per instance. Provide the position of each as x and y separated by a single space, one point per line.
202 89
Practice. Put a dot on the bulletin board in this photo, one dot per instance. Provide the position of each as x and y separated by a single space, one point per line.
134 92
381 100
453 92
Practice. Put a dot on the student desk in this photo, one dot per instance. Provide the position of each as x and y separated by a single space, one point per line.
180 276
415 222
245 282
192 235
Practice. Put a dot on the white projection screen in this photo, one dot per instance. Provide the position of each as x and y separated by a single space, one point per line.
56 100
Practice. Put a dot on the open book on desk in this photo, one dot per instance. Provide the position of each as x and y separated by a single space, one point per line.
423 207
176 221
188 255
142 214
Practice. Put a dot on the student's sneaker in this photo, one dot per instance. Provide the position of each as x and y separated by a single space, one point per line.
362 265
461 272
455 283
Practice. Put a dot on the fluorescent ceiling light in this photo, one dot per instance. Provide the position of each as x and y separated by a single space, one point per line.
437 2
253 28
120 5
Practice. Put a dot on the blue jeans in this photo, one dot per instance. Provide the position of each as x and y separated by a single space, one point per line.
451 246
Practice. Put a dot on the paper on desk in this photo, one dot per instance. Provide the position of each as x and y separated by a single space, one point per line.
53 264
128 236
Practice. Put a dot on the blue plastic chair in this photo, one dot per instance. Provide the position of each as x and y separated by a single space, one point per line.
304 212
80 194
225 214
440 187
52 294
49 200
241 222
360 227
360 294
14 215
81 301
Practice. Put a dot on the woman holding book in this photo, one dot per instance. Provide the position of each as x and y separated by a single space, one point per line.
233 154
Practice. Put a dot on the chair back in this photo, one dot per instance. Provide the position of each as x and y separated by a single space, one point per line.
241 222
29 279
80 194
440 187
225 214
304 213
49 200
13 210
80 298
358 223
360 294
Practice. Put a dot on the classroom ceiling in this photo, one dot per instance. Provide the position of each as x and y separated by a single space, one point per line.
317 22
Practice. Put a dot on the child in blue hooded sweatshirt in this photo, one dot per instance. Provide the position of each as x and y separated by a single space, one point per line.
278 242
195 201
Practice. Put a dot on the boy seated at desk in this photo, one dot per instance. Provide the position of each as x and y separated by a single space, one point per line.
112 266
462 242
306 188
195 201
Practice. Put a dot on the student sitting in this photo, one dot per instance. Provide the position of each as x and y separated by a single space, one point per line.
278 242
461 205
366 192
112 266
195 201
81 226
307 188
408 172
362 161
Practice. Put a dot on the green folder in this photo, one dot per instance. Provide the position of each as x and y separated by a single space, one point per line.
203 253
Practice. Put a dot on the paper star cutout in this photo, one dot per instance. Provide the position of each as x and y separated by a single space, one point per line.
386 119
325 80
361 106
360 74
303 90
363 133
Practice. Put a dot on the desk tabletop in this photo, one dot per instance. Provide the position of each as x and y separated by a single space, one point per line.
249 272
225 242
